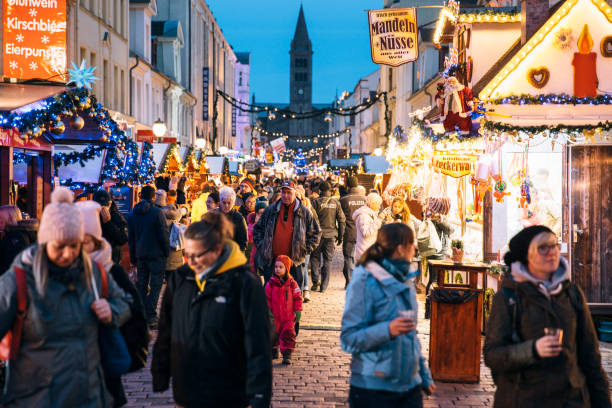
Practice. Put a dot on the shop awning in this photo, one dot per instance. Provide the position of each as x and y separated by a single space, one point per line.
15 96
11 137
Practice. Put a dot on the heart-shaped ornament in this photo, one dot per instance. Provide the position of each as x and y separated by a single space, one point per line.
538 77
606 46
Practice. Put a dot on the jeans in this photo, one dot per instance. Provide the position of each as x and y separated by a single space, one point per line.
150 276
348 250
321 274
306 280
365 398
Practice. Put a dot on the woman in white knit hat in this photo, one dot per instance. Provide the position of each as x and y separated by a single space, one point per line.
58 360
135 331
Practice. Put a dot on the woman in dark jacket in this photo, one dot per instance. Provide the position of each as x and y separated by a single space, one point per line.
532 367
17 238
227 201
214 339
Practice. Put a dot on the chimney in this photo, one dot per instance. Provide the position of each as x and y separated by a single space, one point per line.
534 14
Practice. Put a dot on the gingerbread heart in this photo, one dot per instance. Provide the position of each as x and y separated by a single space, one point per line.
606 46
538 77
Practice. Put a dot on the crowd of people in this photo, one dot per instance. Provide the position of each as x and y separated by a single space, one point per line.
222 275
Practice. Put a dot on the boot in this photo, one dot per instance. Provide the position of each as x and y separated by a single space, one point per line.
306 296
315 286
287 357
275 353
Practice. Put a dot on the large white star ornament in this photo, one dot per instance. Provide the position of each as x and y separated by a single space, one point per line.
82 76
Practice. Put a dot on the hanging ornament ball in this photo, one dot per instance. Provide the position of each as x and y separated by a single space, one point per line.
35 131
82 105
66 112
501 186
77 123
58 127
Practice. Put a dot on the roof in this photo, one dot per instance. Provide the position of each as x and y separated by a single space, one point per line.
301 41
244 57
167 28
426 34
14 96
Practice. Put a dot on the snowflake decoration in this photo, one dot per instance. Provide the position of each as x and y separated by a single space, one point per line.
82 76
564 38
19 37
14 65
33 66
32 13
44 39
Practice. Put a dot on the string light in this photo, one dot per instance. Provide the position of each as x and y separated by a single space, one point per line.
556 99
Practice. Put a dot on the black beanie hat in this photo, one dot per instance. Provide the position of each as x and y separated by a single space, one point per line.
352 182
519 244
102 197
324 186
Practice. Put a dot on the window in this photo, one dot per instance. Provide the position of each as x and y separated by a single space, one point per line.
301 63
106 80
93 61
122 102
240 79
390 73
116 14
105 10
147 43
116 90
301 76
147 112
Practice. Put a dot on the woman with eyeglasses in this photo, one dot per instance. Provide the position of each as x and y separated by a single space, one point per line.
379 325
541 343
214 339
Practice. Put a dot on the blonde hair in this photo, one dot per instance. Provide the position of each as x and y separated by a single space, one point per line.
405 210
541 238
40 268
9 215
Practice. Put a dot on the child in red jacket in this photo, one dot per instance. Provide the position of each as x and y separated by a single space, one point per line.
285 303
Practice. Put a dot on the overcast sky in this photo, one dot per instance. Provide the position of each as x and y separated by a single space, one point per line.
338 30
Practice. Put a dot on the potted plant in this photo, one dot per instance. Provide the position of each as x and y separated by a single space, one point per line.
457 247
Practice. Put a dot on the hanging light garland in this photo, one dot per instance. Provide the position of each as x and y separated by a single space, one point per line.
556 99
301 139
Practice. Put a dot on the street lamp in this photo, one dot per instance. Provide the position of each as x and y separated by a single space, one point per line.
200 143
159 128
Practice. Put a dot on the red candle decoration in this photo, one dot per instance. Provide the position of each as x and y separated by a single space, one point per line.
585 67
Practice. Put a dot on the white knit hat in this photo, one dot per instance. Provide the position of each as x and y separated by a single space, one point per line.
61 220
90 210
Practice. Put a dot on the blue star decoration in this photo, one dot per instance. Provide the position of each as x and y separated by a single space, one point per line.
82 76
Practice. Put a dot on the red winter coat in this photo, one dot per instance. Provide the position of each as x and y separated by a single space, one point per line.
284 299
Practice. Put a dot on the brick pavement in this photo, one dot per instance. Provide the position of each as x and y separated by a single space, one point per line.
320 371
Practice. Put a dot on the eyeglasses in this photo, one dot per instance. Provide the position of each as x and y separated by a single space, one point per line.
545 249
196 256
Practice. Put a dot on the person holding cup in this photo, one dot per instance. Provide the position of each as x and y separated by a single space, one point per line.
541 343
379 325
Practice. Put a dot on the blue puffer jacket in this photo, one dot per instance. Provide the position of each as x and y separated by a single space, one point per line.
373 299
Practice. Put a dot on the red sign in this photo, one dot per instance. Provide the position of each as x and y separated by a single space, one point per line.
34 39
12 138
145 135
167 140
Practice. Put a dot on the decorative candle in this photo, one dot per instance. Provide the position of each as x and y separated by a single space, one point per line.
585 66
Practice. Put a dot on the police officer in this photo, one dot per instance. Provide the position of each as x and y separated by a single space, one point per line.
332 222
350 203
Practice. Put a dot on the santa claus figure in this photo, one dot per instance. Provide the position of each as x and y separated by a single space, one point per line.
455 103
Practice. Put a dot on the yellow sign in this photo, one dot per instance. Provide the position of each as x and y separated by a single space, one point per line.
393 36
454 165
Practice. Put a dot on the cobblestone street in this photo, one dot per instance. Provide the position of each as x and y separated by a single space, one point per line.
320 371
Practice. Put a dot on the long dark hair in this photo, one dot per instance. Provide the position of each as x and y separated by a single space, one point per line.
212 230
389 237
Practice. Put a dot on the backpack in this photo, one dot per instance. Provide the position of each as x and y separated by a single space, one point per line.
177 240
513 305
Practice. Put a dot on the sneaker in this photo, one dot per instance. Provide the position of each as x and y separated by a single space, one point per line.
275 353
315 286
287 357
306 296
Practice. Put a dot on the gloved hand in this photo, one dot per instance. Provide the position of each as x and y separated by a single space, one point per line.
338 241
298 316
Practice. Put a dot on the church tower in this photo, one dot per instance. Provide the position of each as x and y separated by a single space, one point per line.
300 83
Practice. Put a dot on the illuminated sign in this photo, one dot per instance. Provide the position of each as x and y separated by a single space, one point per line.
34 39
393 36
454 165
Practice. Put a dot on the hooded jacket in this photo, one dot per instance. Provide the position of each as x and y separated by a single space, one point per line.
380 362
526 380
115 231
58 364
330 215
351 203
215 343
306 232
284 299
148 232
367 225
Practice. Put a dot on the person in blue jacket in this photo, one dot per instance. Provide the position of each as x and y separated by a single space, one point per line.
387 368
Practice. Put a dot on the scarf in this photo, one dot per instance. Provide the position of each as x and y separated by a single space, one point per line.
103 256
68 275
400 269
203 276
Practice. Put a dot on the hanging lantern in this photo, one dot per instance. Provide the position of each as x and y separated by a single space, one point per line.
328 117
58 127
77 123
